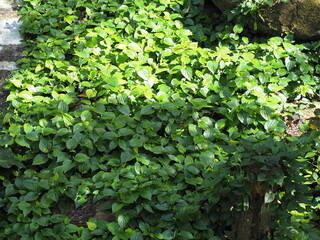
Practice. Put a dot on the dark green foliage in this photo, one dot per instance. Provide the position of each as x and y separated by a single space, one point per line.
166 111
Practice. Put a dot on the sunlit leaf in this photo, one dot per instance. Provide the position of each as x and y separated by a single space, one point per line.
269 197
187 73
92 226
271 125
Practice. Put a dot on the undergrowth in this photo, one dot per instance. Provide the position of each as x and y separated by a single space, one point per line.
163 113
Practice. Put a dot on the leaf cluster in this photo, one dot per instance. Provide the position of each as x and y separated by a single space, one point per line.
158 113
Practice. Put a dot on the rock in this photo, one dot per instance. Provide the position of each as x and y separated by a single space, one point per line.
100 210
293 124
300 17
10 48
224 5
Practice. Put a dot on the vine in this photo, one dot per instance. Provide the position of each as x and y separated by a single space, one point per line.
166 121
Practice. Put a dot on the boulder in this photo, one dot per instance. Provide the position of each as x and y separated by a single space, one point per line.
10 48
300 17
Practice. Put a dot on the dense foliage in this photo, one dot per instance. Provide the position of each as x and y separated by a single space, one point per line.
168 114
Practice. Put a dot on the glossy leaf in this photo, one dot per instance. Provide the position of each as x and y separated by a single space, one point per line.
123 221
91 226
187 73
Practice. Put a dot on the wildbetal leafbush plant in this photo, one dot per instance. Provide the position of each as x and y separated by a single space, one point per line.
171 117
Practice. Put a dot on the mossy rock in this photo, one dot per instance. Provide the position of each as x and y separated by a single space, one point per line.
299 17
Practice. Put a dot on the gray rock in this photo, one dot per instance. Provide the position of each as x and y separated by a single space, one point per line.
300 17
9 30
10 48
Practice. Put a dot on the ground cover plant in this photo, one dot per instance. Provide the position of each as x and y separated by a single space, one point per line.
170 116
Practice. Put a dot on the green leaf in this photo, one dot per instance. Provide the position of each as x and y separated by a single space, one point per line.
70 18
124 110
47 131
290 47
136 142
165 2
68 119
144 227
91 93
45 145
53 195
221 123
192 169
14 129
195 181
85 54
289 63
271 125
33 136
186 235
71 228
269 197
63 107
135 47
56 218
114 228
38 236
87 143
62 131
187 73
274 87
72 143
99 108
116 207
212 66
125 132
126 156
304 127
147 110
168 41
123 221
43 221
144 72
266 113
92 226
22 141
147 193
238 28
120 121
163 206
137 236
209 134
81 157
10 190
91 43
85 235
86 116
5 140
199 103
168 234
27 128
194 130
48 232
40 159
143 160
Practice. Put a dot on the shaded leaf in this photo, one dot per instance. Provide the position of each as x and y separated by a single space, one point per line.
7 159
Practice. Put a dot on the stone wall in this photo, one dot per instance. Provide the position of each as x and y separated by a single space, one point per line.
10 48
